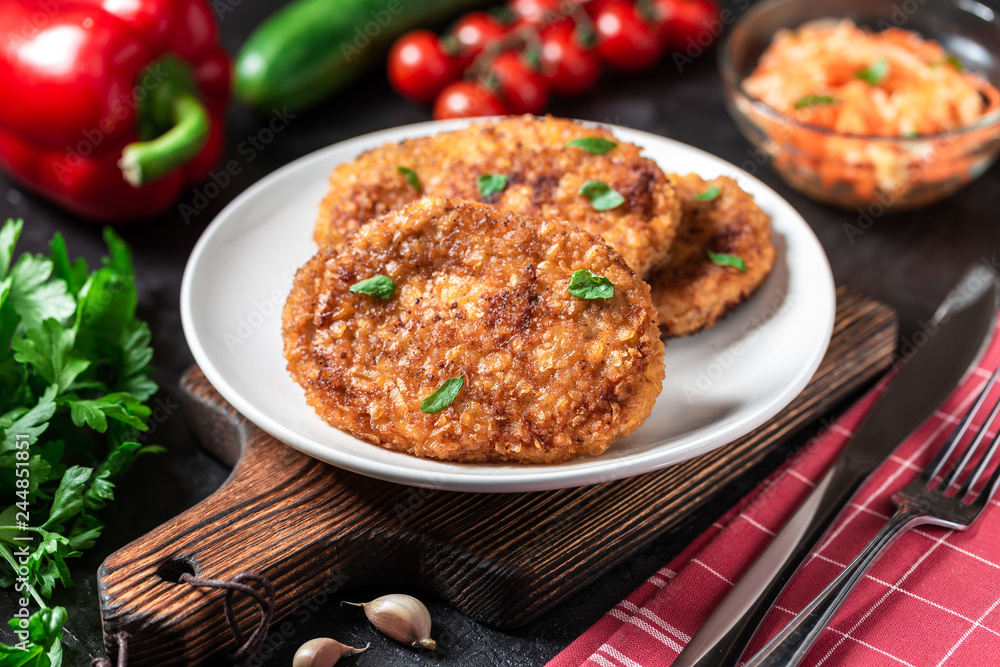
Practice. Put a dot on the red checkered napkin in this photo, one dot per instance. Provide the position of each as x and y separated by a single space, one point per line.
932 599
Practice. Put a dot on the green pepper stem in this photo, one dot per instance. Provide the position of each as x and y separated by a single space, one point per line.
145 161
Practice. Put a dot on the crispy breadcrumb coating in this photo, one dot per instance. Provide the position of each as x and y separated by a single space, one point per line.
543 181
691 292
480 293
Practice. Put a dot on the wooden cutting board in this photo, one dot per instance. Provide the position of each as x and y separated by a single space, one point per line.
503 559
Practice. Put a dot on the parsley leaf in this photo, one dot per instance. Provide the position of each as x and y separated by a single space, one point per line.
27 422
33 296
120 406
722 259
601 195
43 641
411 176
49 351
74 371
876 72
587 285
709 195
74 274
814 101
595 145
442 396
136 354
68 499
950 59
491 183
382 287
47 563
9 234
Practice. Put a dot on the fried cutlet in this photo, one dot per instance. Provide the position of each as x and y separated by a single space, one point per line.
691 291
544 178
479 294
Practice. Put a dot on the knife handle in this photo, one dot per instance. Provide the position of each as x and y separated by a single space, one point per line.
724 636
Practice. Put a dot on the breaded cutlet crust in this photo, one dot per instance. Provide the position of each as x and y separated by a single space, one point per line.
690 291
480 293
543 181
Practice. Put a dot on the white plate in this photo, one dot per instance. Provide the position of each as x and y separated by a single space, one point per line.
720 384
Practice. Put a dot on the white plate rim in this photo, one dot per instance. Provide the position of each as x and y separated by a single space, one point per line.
508 478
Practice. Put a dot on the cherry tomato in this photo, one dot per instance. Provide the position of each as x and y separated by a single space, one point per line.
568 67
537 12
418 66
463 99
624 40
523 88
687 23
473 33
694 21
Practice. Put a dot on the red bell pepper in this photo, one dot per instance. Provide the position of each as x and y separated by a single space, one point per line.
110 107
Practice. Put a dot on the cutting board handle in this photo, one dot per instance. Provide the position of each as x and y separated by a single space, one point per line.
280 514
503 559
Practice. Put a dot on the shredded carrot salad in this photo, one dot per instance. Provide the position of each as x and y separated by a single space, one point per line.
891 83
870 88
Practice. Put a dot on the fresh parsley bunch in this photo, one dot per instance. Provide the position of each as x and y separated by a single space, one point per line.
74 379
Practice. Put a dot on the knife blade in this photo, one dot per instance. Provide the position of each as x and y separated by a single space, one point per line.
935 363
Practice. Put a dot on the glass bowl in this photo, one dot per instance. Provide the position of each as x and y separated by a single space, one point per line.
850 170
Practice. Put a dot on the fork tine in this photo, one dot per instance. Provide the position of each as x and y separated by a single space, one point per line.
980 434
970 483
991 485
932 470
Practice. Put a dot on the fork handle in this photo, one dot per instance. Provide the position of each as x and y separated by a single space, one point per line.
790 645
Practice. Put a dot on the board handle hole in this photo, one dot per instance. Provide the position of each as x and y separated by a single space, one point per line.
172 569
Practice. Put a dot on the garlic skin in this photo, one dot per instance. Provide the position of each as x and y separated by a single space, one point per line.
402 617
323 652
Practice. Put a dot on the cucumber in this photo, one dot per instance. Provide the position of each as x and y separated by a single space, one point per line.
311 48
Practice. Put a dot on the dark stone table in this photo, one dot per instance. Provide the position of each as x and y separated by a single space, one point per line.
907 260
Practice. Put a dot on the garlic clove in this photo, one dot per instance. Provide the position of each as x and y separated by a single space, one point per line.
402 617
323 652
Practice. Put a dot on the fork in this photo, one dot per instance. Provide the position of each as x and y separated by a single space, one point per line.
925 501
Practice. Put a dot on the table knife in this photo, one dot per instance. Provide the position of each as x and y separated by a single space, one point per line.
935 359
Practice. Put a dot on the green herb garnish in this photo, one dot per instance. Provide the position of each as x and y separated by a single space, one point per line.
442 396
595 145
491 183
875 73
709 195
814 101
382 287
411 176
950 59
587 285
74 381
911 134
601 195
727 260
